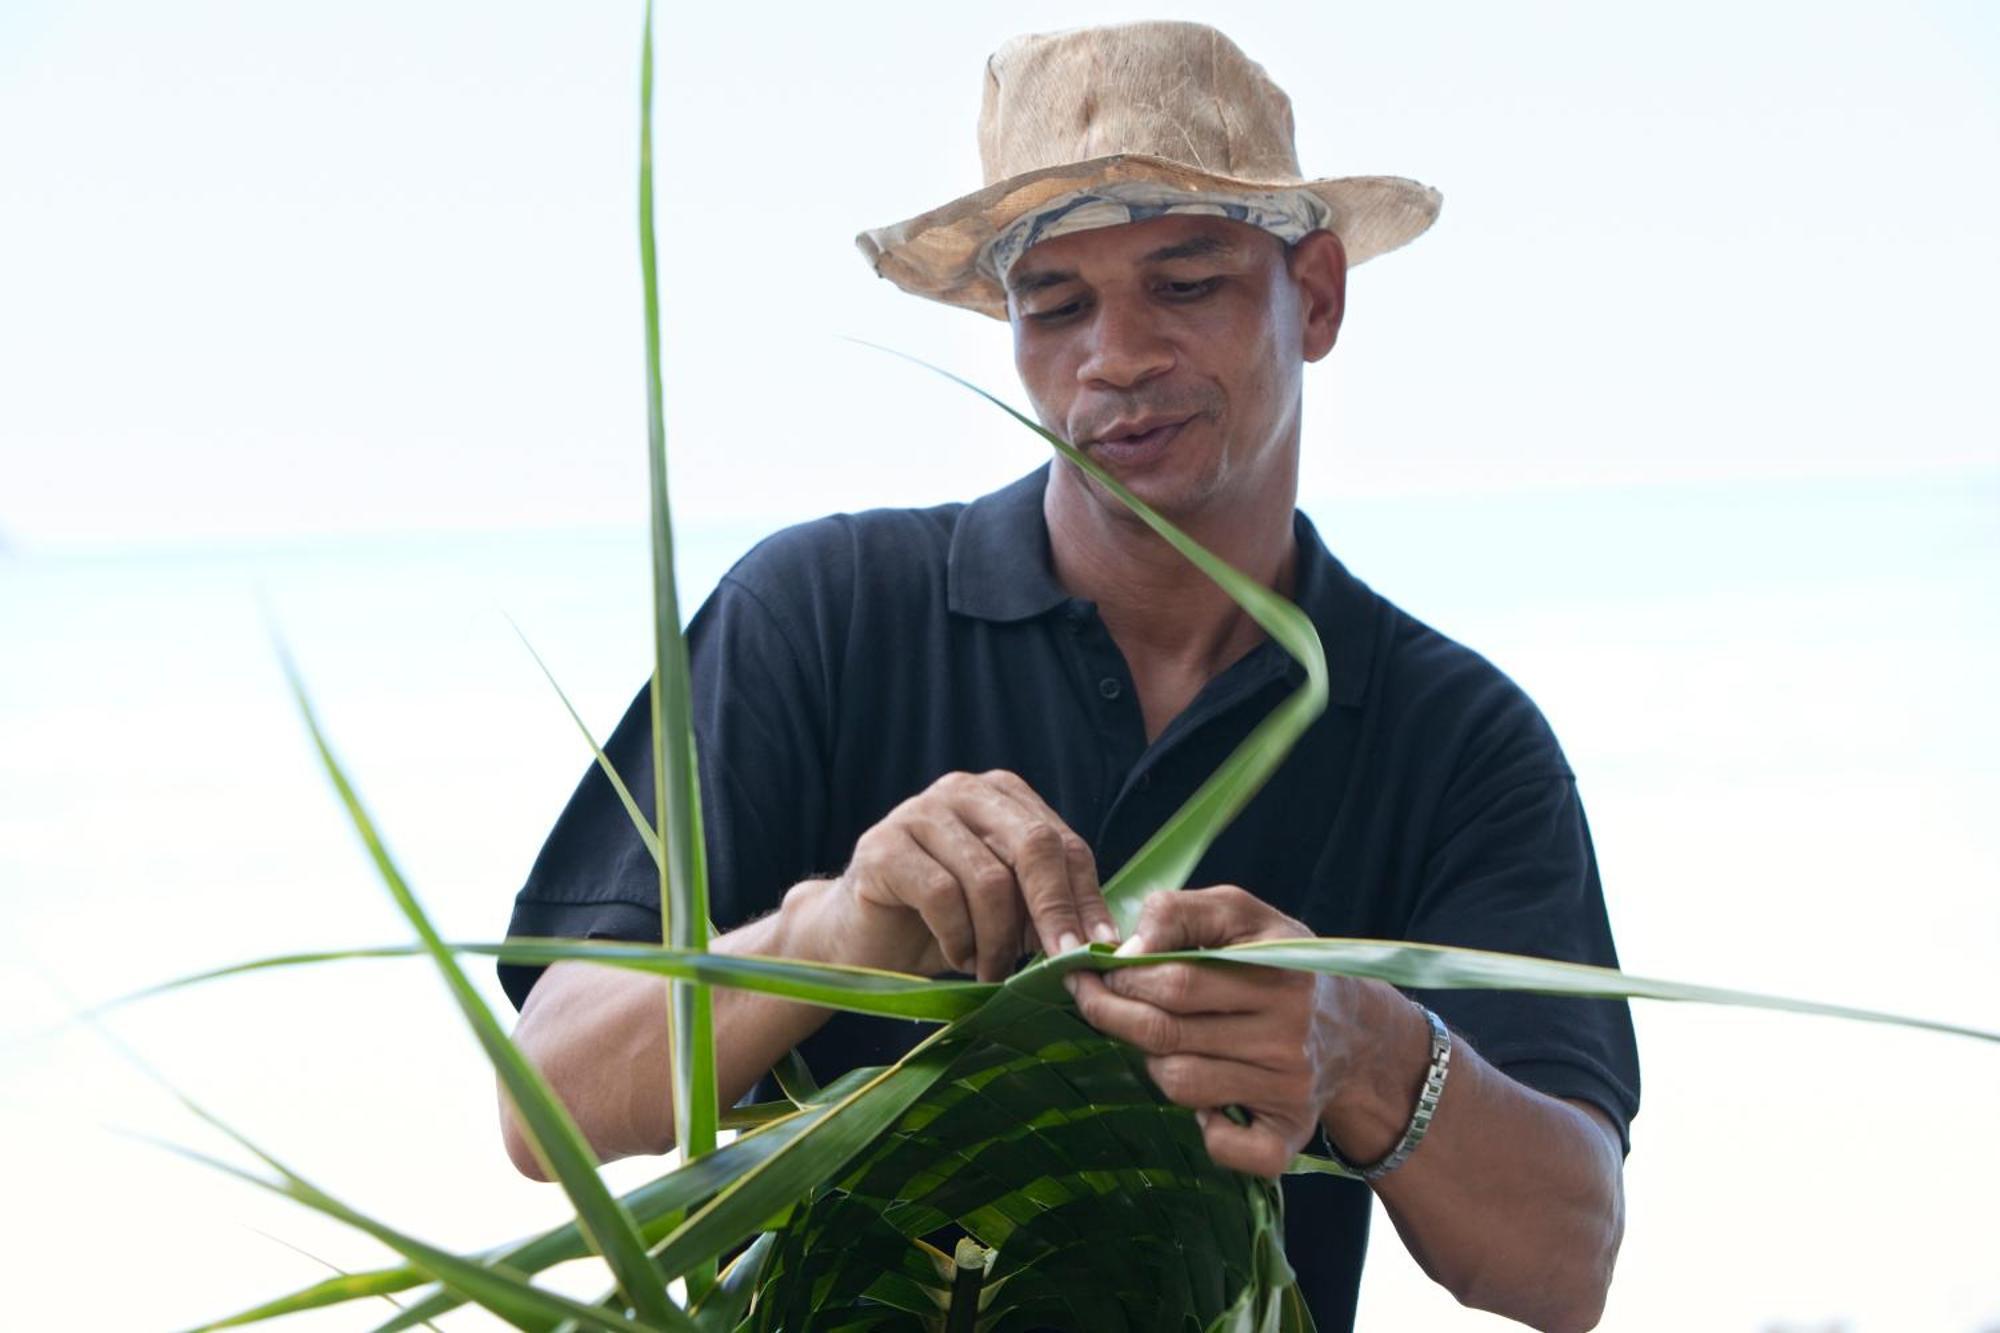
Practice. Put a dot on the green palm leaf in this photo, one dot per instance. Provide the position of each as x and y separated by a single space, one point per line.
332 1291
793 1077
506 1294
660 1205
1169 857
657 1206
676 803
1444 967
554 1136
864 990
604 764
498 1289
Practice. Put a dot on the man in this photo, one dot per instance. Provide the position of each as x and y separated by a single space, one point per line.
974 708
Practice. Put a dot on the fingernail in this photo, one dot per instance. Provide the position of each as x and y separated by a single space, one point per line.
1068 941
1069 983
1137 944
1104 933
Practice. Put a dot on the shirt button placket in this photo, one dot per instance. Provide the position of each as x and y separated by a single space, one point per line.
1122 738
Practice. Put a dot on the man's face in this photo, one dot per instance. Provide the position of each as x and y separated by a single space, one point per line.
1170 351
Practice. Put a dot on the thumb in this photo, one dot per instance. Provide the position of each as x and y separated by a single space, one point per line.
1193 919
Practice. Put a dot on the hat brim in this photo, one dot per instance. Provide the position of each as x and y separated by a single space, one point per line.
935 254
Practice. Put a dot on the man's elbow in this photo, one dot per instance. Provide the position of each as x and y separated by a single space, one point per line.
1573 1312
1570 1301
1567 1294
520 1151
568 1063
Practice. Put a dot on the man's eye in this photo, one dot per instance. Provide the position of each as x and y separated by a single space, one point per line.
1190 290
1055 313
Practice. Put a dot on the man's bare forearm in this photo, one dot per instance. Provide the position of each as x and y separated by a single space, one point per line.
599 1035
1514 1201
969 873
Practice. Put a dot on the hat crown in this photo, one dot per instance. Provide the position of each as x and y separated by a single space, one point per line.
1180 91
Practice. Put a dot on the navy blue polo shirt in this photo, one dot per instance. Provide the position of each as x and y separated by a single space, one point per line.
845 664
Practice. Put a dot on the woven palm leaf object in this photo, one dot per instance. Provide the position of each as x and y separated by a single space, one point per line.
1040 1139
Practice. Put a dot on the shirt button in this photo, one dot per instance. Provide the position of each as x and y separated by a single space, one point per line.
1110 688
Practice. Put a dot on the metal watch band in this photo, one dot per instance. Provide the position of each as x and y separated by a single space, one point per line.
1420 1119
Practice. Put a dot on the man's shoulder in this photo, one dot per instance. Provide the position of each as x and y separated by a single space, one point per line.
1438 694
831 564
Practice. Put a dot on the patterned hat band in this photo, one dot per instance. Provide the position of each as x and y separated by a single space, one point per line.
1286 214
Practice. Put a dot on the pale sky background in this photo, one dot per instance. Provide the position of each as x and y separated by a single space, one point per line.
273 268
1684 414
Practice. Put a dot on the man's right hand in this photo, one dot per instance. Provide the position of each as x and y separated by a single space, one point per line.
969 875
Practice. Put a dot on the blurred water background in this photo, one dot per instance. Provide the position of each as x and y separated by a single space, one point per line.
1778 698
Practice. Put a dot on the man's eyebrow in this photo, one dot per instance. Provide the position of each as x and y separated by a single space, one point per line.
1035 279
1192 248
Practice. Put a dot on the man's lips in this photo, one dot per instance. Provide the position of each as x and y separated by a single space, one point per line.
1136 446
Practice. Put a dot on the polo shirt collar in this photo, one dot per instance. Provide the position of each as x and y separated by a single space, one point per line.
999 569
1343 610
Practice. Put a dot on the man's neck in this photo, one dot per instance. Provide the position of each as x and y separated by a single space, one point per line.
1176 628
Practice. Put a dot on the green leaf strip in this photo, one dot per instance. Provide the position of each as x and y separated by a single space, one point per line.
676 803
899 995
632 811
659 1205
506 1294
330 1291
554 1136
793 1077
860 990
728 1301
810 1160
1446 967
1170 856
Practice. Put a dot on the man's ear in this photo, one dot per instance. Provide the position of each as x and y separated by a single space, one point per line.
1317 262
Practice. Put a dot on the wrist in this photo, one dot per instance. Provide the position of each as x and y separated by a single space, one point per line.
1370 1109
800 931
820 921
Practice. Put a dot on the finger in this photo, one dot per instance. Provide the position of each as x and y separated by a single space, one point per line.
1086 895
1036 848
1208 918
995 905
914 878
1197 988
1256 1147
1247 1038
1030 942
1146 1026
986 885
1206 1080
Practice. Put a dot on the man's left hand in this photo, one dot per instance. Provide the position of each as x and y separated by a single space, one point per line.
1277 1043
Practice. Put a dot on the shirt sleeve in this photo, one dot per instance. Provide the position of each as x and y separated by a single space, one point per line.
760 737
1512 869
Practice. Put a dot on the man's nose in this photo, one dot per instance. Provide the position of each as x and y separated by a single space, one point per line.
1125 347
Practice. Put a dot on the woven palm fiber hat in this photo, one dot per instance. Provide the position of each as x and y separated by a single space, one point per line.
1174 105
